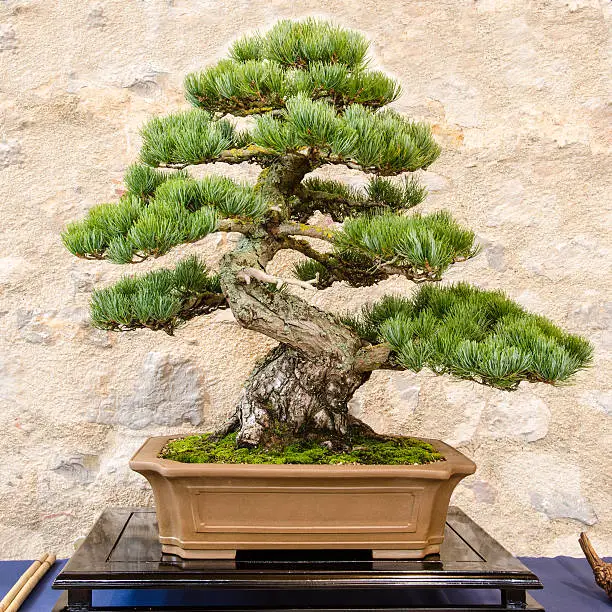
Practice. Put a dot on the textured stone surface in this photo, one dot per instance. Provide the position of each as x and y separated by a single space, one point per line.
518 95
9 152
553 486
7 37
520 414
168 391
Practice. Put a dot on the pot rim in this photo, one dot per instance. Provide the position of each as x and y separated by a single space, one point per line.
146 459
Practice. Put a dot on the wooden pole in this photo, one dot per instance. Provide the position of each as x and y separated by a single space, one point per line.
6 600
26 583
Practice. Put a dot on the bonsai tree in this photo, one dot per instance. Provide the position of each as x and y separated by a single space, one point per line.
311 99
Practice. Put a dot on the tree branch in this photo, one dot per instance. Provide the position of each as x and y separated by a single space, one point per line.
301 246
251 154
337 206
416 277
336 160
246 274
354 275
235 225
302 229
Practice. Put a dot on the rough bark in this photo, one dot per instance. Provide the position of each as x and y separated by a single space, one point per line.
290 396
280 314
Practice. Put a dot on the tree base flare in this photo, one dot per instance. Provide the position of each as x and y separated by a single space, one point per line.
290 396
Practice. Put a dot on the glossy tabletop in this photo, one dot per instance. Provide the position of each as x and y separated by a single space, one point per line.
123 552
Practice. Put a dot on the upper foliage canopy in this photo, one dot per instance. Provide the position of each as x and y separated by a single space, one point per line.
308 84
310 57
297 44
256 86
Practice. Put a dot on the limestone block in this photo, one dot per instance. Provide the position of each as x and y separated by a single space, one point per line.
549 484
9 152
518 414
8 40
169 391
600 400
12 269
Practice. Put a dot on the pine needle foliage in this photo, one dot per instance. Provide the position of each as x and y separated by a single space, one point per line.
383 142
315 101
159 300
238 88
408 193
312 57
338 189
474 334
172 210
425 245
189 137
142 181
342 201
299 43
257 87
309 269
91 237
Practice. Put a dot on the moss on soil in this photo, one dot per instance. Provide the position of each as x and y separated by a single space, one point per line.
369 451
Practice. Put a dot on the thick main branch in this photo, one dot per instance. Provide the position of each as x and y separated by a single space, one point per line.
279 314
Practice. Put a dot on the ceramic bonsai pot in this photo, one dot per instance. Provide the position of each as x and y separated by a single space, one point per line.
209 511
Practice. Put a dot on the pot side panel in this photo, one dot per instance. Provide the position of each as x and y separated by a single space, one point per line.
299 509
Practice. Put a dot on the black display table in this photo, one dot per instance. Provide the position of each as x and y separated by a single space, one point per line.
122 552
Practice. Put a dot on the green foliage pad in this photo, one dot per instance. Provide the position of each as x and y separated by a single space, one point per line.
162 299
159 212
190 137
423 245
310 57
474 334
368 451
383 142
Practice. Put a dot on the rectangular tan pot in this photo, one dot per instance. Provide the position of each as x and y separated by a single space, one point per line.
208 511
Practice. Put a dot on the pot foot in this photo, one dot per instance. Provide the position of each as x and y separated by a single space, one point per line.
389 553
168 549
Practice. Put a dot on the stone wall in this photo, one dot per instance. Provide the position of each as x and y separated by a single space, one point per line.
516 91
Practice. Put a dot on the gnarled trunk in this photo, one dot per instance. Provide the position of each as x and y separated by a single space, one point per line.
303 386
291 396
